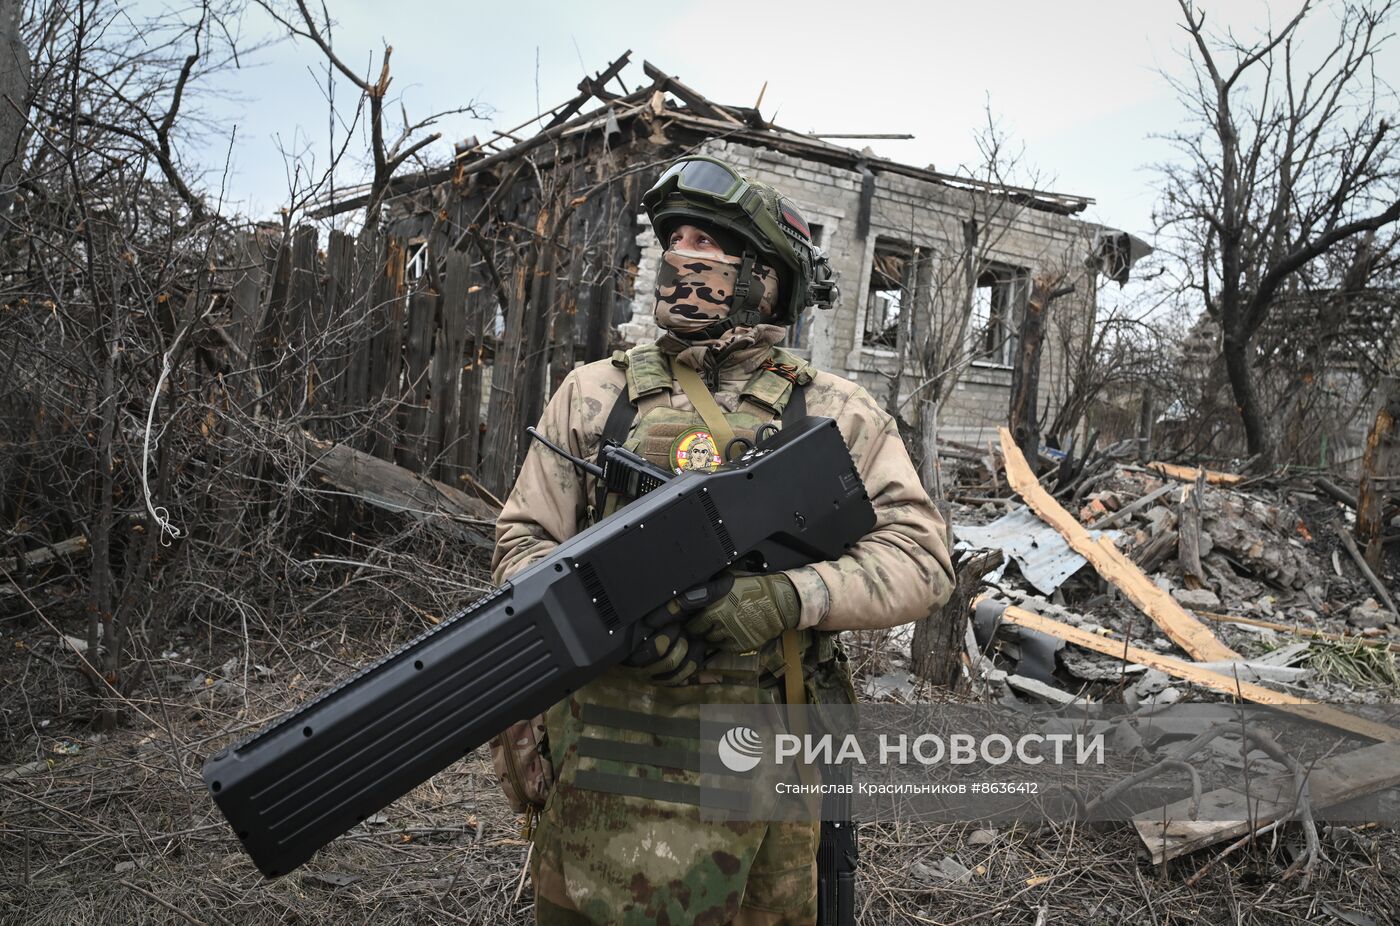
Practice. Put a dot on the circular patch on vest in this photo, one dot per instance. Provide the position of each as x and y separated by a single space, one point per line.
694 450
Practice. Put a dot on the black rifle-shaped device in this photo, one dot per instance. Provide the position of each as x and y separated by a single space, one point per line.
319 770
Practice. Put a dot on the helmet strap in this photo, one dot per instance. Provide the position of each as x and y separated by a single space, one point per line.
747 295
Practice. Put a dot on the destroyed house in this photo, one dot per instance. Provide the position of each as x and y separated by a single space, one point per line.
1320 367
928 262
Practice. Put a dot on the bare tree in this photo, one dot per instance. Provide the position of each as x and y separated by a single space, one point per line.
937 336
162 362
386 153
107 243
1288 157
943 350
1024 413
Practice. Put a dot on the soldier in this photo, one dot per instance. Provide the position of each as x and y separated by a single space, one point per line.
620 838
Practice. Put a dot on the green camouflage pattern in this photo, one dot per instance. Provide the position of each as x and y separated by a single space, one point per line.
602 856
648 369
622 857
894 575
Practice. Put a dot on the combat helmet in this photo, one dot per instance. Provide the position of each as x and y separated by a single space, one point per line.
707 190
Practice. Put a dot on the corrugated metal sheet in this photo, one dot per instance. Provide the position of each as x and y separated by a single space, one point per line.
1042 555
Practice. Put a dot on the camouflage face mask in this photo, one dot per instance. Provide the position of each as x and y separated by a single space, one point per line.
693 290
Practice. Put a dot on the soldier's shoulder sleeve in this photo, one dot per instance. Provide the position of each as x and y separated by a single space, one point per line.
901 569
599 385
547 503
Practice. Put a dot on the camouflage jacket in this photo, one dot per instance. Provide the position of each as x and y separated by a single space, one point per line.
894 575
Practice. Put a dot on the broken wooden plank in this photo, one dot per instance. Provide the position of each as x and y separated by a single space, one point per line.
447 363
691 98
418 448
1376 583
1169 831
1188 526
1190 473
1154 553
45 554
1306 632
387 306
1127 511
590 87
385 485
480 315
458 172
1206 678
1187 632
1335 492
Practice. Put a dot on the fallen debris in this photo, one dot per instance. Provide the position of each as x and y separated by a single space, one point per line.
1191 546
1187 632
1192 473
1366 571
1043 556
387 486
1335 492
1042 691
936 647
1170 831
1127 511
1197 599
1297 631
45 554
1261 537
1207 678
1369 615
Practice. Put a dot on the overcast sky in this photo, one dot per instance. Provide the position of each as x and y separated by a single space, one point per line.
1079 84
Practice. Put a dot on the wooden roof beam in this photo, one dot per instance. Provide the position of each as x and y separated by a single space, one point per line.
691 98
590 87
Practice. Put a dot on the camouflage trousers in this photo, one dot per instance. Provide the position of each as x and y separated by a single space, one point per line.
623 838
781 889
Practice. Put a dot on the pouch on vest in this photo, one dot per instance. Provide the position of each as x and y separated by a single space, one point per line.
520 757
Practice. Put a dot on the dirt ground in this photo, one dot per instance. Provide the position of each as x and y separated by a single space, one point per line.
117 827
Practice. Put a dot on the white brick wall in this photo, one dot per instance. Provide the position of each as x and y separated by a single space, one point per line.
921 213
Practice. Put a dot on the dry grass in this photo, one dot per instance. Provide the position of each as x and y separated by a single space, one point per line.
120 830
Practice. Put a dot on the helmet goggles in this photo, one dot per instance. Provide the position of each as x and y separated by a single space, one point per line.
700 176
706 189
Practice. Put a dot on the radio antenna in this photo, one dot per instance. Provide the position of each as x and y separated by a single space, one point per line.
583 465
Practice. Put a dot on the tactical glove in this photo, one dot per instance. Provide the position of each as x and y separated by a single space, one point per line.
670 655
752 611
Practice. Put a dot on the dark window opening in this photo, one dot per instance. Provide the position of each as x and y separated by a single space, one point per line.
886 299
415 261
996 313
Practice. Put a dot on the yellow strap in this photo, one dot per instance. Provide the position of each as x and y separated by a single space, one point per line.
796 693
699 395
794 689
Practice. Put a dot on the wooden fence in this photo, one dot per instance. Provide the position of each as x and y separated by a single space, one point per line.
340 340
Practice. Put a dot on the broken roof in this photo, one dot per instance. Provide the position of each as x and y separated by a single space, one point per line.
737 123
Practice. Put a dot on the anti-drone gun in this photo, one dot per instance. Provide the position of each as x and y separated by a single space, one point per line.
310 776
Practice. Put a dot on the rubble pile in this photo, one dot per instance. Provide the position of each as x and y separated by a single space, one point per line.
1151 587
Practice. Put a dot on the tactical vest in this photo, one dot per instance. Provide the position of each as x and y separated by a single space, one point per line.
678 440
625 750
